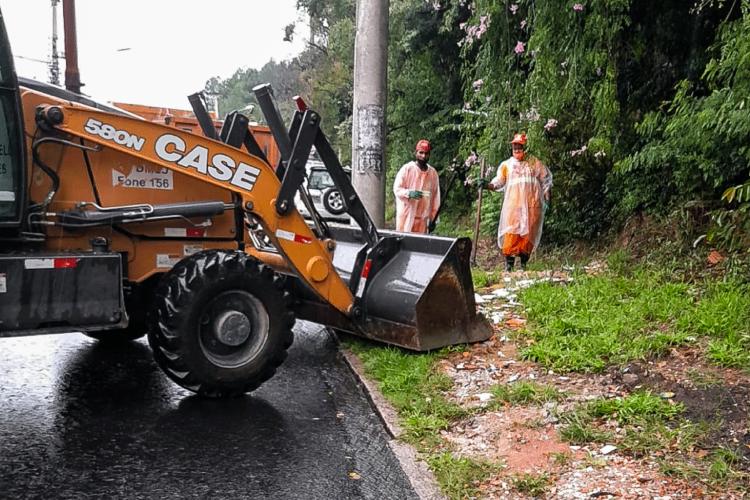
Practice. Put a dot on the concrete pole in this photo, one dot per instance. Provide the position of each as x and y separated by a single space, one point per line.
368 118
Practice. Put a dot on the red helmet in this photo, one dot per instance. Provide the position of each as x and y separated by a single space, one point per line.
519 139
423 145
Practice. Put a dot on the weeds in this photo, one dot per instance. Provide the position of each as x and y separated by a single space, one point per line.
636 408
598 321
531 484
722 464
523 393
643 415
579 428
483 279
459 478
414 386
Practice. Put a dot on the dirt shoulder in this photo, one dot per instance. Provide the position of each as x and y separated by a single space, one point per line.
526 439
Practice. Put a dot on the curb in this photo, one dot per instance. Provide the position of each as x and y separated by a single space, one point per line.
419 475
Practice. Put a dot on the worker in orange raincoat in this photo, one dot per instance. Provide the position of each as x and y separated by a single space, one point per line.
527 184
417 190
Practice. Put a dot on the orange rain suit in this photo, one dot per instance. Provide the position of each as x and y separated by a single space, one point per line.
526 184
415 215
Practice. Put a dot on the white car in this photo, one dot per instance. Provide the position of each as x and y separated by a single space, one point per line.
325 196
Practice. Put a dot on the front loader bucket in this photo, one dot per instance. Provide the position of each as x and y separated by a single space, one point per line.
422 299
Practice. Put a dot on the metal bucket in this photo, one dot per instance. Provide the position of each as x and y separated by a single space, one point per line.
422 299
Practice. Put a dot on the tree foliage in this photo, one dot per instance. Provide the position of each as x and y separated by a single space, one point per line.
637 106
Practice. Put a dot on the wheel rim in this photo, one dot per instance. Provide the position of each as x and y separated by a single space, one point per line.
335 201
233 328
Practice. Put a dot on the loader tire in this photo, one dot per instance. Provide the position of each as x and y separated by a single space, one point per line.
221 323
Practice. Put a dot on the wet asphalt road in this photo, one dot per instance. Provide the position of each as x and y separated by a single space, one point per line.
80 419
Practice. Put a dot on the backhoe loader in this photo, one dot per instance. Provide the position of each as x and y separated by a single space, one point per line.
117 227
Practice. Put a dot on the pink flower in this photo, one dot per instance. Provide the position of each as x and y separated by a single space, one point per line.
472 159
578 7
551 123
577 152
520 48
523 24
477 85
514 8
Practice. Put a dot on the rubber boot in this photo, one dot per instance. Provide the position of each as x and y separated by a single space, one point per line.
524 261
509 260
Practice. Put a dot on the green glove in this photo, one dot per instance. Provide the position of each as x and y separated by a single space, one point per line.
415 195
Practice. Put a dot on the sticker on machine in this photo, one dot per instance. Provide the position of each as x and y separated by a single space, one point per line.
184 232
164 260
7 196
191 249
3 283
144 177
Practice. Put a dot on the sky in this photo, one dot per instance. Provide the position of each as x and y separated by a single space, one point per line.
153 52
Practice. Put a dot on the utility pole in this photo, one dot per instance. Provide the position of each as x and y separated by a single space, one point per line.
54 63
72 75
368 117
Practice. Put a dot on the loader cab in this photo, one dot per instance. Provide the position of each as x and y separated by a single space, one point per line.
12 146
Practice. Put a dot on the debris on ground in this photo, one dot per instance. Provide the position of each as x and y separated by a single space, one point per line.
525 439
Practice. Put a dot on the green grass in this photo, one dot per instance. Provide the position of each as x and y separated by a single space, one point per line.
637 407
645 417
459 478
598 321
413 385
579 428
523 393
534 485
482 278
722 465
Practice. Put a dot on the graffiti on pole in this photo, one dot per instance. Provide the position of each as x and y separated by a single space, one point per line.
370 140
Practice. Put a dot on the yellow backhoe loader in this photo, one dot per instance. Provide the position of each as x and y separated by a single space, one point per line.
117 227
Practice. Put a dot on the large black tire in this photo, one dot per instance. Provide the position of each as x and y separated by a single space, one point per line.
221 323
333 201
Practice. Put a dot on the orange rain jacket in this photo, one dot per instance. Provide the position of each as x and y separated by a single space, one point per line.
414 215
525 183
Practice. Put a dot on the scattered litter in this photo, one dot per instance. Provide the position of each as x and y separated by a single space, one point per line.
515 322
513 377
484 396
478 299
607 449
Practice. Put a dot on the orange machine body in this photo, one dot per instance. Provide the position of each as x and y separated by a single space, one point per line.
143 162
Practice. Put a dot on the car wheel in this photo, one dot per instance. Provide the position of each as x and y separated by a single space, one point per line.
333 201
221 324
